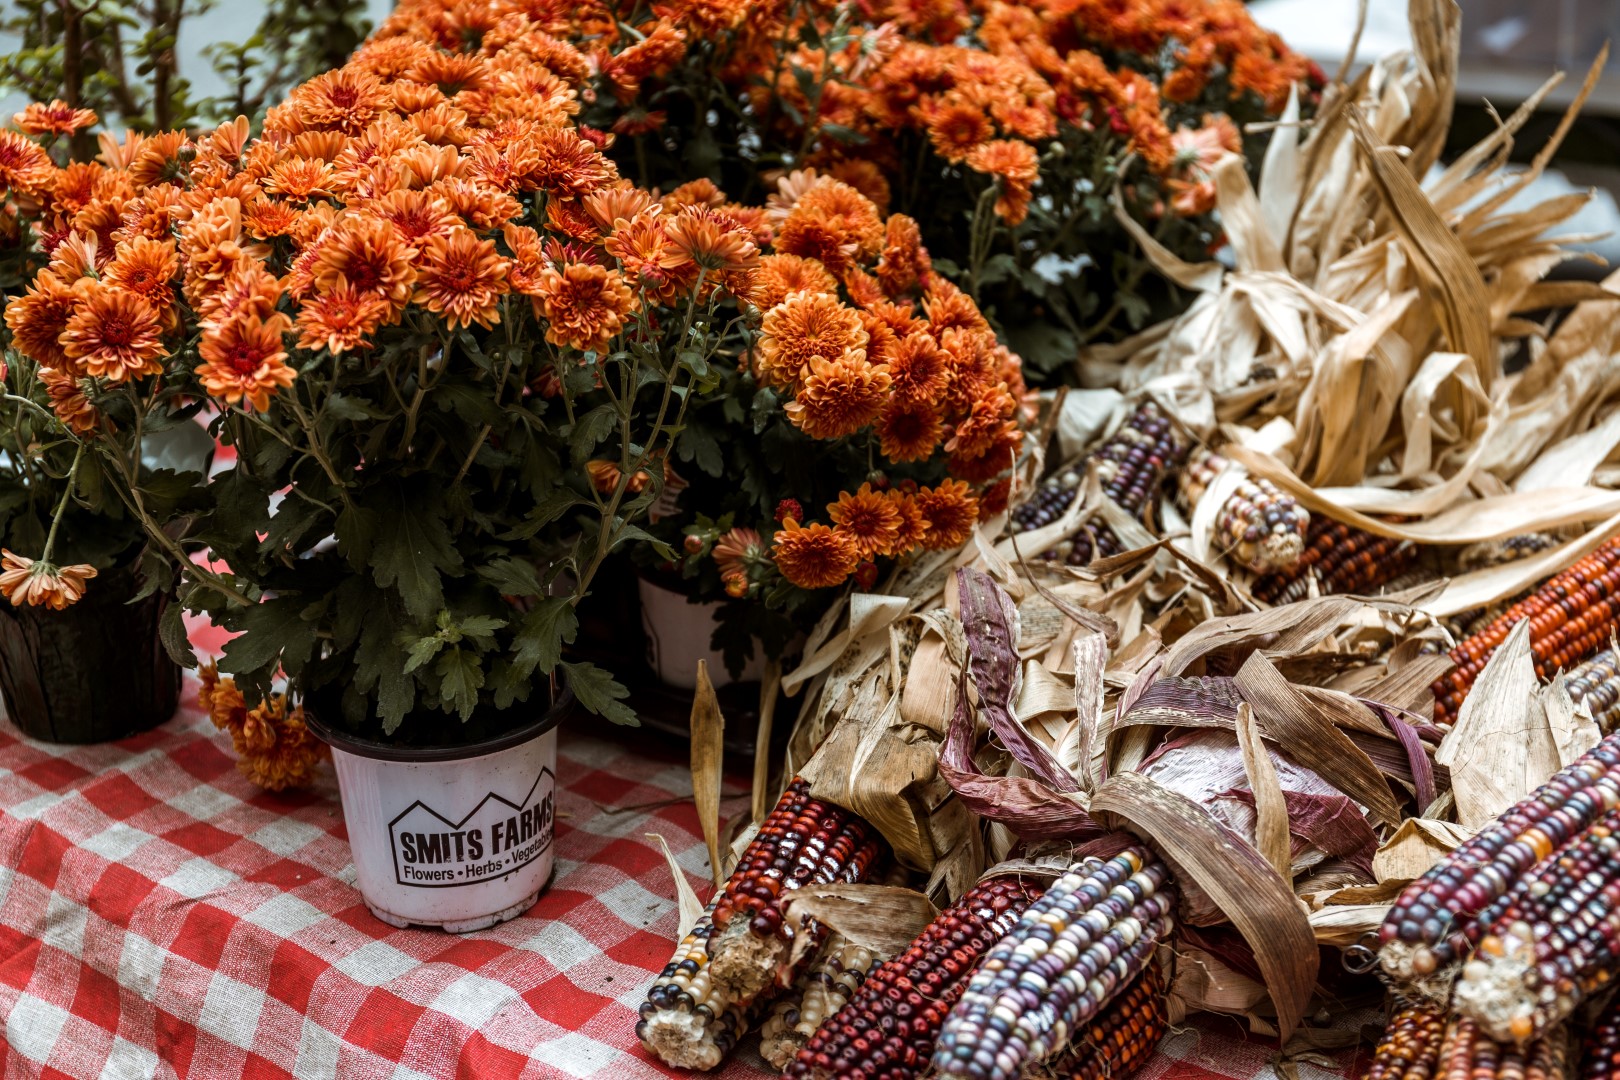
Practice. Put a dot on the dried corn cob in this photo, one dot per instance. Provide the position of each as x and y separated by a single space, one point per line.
1410 1048
1131 464
1510 549
1553 941
1340 559
722 971
1571 616
832 980
1123 1036
802 842
1258 525
1432 924
1469 1054
1600 1054
1094 931
1597 683
888 1028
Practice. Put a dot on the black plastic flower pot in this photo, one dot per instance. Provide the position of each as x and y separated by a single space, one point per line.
92 672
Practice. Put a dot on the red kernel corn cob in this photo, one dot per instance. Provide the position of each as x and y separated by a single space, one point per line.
1093 932
1340 559
1410 1048
1597 683
1131 464
834 978
1571 616
802 842
1432 924
888 1028
722 973
1123 1036
1259 526
1469 1054
1554 941
1600 1054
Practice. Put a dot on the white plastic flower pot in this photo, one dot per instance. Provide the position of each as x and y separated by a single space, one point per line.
454 838
678 634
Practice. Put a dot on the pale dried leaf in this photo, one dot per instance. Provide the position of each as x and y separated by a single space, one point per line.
708 757
1415 847
1271 837
686 901
882 918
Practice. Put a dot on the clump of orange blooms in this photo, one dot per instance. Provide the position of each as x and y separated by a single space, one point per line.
274 747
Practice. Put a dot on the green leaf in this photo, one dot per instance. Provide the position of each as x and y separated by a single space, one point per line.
356 532
513 577
480 628
549 626
423 650
379 667
345 407
272 634
553 506
172 632
460 680
589 430
597 691
411 555
698 444
632 533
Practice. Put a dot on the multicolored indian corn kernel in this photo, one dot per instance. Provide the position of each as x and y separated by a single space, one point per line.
1571 616
728 967
1123 1036
1467 1053
1551 943
1339 558
1131 463
1434 921
1600 1050
834 978
1410 1048
1092 933
887 1030
1596 683
1258 526
1509 549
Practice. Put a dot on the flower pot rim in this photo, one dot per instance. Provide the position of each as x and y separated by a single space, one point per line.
384 751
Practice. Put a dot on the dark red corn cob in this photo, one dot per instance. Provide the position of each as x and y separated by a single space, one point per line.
1509 549
1340 558
1123 1036
1132 463
888 1028
1572 616
1596 683
1433 923
1552 942
802 842
722 974
1469 1054
1410 1048
1600 1052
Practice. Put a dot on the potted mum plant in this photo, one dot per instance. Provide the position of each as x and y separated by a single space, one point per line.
1002 129
449 350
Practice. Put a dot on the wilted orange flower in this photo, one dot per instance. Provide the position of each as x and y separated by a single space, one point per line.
146 268
462 277
341 320
584 305
838 397
814 556
908 431
712 240
870 519
781 275
803 326
365 253
735 546
1197 151
951 512
158 158
245 360
38 583
68 400
290 755
38 317
604 475
57 118
113 335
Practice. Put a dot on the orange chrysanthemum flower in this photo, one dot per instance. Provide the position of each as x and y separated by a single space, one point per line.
603 475
245 360
584 305
38 317
804 326
984 425
267 219
834 223
814 556
781 275
68 400
24 164
955 128
341 320
146 268
951 512
620 202
57 118
528 259
287 755
114 335
870 519
838 397
712 240
300 179
463 278
568 165
1014 165
646 252
917 368
37 583
249 290
159 159
913 526
347 100
365 253
736 546
909 431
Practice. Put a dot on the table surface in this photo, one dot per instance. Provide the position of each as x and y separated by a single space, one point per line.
162 917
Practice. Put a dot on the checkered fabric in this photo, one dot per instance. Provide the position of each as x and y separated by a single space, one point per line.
161 917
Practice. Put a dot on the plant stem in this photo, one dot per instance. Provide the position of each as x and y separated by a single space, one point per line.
61 506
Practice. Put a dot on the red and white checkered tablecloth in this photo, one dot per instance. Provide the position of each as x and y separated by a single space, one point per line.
161 917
